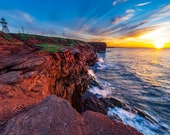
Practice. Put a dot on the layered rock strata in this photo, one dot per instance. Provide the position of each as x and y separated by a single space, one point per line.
28 73
34 67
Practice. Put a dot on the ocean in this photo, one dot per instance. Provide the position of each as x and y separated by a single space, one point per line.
140 78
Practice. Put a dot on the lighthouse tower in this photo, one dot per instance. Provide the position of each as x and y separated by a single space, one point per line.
4 26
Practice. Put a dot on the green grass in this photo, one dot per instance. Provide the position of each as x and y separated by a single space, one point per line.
50 47
70 42
7 37
25 37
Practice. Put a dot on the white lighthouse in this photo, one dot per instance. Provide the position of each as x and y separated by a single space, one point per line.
4 25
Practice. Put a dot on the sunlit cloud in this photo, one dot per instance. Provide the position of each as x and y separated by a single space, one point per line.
151 36
125 28
161 13
129 14
143 4
115 2
138 32
118 20
94 22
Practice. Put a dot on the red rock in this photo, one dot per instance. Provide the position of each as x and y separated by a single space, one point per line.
55 116
28 75
6 39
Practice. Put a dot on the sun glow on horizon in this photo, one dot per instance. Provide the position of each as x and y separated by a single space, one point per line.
157 38
159 44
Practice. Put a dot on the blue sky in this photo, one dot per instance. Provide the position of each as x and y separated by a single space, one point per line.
97 20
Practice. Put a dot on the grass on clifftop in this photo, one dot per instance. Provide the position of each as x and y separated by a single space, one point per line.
50 47
25 37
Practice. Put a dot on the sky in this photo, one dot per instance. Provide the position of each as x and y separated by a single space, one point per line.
119 23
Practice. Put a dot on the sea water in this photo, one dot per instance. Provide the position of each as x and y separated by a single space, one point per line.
141 79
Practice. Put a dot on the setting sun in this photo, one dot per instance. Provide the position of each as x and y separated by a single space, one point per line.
157 37
159 44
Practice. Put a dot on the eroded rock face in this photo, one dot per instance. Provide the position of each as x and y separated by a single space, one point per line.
28 74
55 116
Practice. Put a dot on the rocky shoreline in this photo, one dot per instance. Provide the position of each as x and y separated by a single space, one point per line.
41 80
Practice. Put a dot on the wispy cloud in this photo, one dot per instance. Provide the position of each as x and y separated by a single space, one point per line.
138 32
143 4
130 11
115 2
27 17
129 14
121 27
19 15
118 20
161 13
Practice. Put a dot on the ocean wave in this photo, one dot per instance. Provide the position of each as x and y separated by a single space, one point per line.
140 123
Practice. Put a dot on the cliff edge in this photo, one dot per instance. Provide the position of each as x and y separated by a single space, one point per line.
34 67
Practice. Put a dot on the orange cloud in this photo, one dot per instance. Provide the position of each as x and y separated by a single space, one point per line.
138 32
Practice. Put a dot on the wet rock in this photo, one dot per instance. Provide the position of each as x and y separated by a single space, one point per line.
101 105
96 84
56 116
95 105
144 115
112 102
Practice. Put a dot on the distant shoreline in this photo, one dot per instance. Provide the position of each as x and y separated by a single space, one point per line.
138 48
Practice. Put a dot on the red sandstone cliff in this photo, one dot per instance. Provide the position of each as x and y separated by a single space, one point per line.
28 74
31 70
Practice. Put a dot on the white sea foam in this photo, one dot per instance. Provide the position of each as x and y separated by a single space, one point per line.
101 65
106 90
100 93
90 71
101 60
134 120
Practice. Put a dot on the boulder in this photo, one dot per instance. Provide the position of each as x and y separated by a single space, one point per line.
55 116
